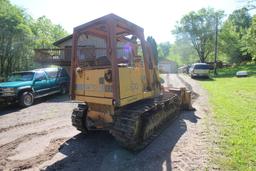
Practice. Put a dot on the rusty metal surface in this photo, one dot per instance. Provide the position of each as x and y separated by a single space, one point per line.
111 24
121 23
110 27
73 65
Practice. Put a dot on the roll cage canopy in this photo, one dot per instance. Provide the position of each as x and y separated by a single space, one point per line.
111 28
122 26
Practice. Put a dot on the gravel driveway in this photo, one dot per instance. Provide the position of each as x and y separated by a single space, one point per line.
41 138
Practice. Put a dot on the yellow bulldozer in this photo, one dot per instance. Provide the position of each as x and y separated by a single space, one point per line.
115 77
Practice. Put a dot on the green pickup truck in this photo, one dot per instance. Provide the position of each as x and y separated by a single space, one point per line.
25 86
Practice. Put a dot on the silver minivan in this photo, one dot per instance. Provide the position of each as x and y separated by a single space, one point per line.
199 70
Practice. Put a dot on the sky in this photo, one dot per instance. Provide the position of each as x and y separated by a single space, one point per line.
157 17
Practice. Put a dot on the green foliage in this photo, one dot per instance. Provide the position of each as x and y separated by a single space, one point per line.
249 40
232 35
20 34
241 20
236 42
234 108
183 52
230 43
46 32
152 43
163 49
15 39
198 27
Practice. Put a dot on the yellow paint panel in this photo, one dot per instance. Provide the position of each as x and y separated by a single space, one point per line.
91 86
96 100
131 99
131 83
79 83
92 83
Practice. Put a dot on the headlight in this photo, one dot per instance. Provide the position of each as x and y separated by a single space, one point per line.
8 90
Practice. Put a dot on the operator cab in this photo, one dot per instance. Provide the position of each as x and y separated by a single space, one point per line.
110 71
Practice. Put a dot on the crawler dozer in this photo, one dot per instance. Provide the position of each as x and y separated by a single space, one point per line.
115 77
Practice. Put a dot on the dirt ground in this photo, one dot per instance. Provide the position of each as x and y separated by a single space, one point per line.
41 138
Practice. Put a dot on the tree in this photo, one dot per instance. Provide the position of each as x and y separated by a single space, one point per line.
152 43
241 19
232 33
15 38
163 49
198 27
46 32
183 52
20 35
249 40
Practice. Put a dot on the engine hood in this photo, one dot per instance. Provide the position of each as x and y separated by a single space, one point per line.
15 84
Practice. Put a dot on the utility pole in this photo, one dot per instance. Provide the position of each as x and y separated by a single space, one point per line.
216 44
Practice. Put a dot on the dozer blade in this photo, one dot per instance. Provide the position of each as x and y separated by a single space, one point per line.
184 96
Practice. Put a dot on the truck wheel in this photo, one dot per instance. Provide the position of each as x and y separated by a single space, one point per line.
26 99
63 89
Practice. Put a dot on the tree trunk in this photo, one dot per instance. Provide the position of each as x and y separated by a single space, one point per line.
202 57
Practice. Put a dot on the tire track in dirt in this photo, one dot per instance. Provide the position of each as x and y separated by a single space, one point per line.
32 162
195 154
18 132
191 152
7 150
24 124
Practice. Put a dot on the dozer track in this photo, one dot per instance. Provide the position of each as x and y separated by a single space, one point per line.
78 118
136 125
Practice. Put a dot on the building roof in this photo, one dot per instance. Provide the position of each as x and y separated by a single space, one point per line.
58 42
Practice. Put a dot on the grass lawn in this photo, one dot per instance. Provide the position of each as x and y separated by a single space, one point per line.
234 106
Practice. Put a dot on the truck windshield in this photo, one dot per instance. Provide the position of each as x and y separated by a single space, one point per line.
22 76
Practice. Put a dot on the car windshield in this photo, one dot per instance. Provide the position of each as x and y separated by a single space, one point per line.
22 76
201 67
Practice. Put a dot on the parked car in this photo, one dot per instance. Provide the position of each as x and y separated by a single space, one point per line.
199 70
25 86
